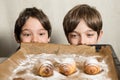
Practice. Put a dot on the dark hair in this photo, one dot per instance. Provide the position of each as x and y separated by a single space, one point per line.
84 12
25 15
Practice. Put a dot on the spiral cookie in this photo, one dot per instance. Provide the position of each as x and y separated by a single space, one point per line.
67 67
92 67
46 69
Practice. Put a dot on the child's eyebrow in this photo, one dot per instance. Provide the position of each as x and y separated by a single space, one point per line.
25 30
30 29
74 32
42 29
90 31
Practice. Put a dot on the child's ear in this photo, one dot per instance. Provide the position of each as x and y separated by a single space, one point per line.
49 39
100 35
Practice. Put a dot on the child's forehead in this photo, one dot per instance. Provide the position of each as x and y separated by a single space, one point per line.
82 27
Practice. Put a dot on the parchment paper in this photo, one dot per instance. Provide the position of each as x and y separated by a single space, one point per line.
9 65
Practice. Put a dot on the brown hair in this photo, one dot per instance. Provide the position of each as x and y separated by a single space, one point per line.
25 15
84 12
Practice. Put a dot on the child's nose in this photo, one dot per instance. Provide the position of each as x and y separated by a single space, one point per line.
82 41
35 39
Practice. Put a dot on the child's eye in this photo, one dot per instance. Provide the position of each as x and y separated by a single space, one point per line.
90 35
73 36
41 34
26 34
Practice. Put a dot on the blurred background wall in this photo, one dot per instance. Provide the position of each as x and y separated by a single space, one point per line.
56 10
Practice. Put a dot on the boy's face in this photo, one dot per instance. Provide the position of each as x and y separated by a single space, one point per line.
33 31
83 35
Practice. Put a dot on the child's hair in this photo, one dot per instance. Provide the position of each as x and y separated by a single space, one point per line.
84 12
25 15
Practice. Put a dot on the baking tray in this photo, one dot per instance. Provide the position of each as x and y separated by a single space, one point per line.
114 56
104 50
